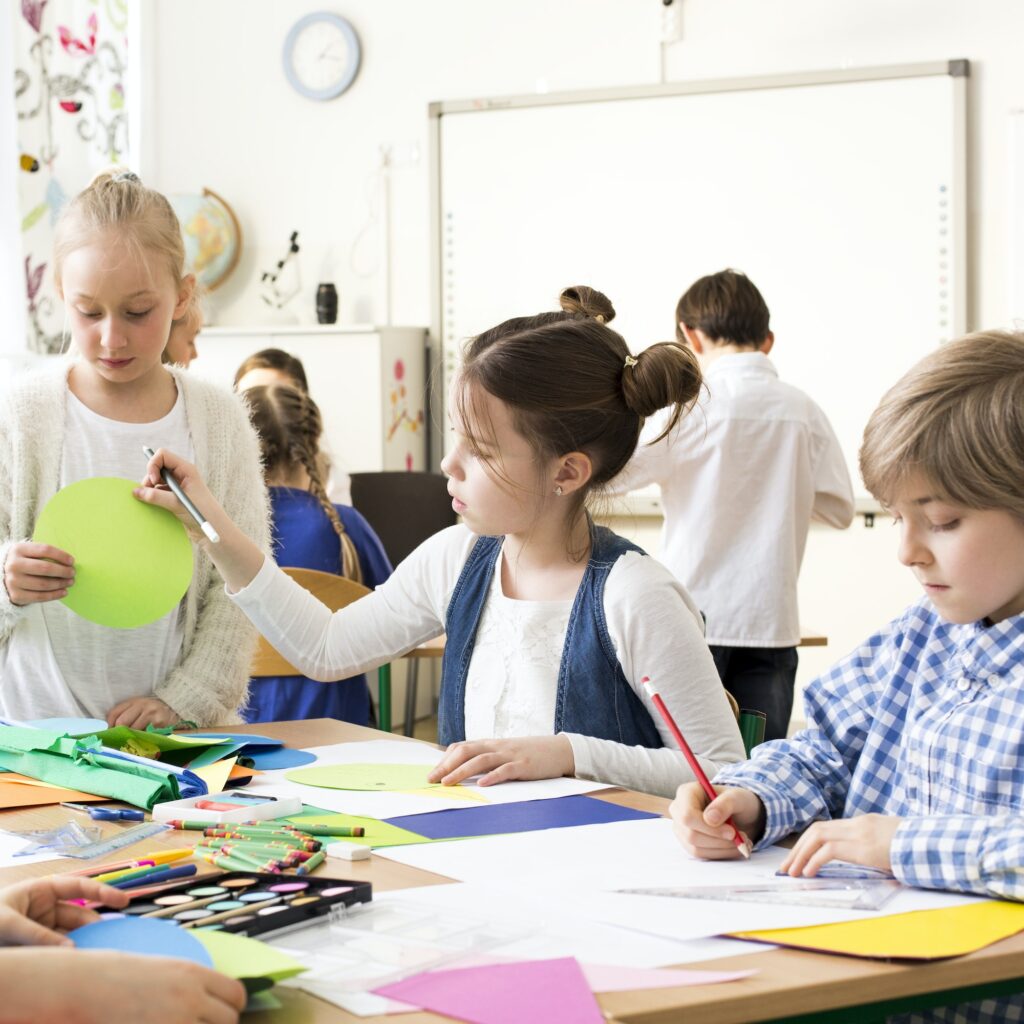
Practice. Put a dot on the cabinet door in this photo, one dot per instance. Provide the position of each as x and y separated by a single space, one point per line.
344 374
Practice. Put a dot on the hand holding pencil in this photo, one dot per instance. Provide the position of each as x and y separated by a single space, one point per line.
690 808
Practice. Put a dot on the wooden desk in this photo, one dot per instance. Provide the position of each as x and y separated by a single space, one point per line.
791 986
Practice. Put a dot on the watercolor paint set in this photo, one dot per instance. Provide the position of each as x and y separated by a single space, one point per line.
248 903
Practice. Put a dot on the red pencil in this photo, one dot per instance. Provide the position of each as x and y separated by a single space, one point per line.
741 843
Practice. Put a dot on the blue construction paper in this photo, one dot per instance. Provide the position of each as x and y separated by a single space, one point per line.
71 726
244 738
526 816
284 757
147 935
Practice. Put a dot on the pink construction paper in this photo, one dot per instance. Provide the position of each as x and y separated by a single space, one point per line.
539 991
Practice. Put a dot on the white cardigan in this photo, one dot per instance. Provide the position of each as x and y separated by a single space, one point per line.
210 681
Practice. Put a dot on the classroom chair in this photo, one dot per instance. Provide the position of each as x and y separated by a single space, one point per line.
335 592
405 509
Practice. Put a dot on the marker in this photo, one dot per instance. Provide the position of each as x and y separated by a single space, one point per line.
741 843
102 871
162 875
175 488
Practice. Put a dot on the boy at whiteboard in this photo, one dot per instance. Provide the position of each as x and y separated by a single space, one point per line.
740 481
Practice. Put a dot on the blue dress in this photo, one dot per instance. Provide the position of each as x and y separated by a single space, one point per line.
305 539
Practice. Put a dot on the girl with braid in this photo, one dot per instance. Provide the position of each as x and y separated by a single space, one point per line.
309 532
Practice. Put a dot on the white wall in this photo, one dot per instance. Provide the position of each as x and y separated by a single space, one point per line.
226 118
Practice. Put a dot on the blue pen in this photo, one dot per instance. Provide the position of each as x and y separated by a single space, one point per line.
167 875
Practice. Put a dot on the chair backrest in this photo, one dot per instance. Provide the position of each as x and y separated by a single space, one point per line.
333 591
403 508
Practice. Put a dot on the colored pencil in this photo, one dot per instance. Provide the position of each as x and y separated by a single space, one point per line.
741 843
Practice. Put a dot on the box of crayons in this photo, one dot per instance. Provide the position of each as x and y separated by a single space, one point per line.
253 904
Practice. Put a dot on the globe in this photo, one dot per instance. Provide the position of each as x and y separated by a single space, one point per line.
213 238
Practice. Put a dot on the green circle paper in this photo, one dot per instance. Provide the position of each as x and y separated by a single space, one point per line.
364 776
133 562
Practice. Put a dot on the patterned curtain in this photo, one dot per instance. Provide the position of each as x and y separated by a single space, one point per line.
70 60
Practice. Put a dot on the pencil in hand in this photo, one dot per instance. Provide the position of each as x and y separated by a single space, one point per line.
741 843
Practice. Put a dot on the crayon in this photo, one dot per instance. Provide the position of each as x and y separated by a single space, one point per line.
226 863
332 830
312 864
189 826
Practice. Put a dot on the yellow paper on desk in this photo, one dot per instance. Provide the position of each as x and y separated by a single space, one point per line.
921 935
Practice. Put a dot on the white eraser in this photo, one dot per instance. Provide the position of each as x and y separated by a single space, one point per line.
347 851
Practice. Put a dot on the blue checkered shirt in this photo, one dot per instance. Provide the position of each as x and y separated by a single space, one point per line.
924 721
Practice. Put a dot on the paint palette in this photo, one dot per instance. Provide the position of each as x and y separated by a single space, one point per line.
251 904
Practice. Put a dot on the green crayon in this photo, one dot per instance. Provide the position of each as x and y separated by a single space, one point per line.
332 830
310 865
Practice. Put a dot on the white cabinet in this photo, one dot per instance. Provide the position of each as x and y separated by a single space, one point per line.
368 381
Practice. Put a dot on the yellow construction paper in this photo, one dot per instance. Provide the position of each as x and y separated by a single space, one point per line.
393 778
133 562
921 935
215 775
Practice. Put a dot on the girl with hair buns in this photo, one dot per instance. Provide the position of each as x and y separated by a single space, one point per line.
309 532
551 621
119 267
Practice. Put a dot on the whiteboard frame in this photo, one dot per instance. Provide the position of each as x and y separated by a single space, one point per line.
957 69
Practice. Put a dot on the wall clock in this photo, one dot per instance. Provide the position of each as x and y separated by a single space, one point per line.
321 55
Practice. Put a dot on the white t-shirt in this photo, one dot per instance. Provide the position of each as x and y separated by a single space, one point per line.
513 673
741 477
57 663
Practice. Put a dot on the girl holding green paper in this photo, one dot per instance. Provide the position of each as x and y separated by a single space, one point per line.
119 264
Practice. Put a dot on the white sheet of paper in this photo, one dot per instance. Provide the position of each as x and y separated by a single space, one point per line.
557 930
390 805
578 869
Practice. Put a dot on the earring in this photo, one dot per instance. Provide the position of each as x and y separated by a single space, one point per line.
558 490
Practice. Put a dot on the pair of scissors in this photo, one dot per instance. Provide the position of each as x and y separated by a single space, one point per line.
108 813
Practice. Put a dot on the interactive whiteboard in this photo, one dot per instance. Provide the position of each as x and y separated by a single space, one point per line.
841 194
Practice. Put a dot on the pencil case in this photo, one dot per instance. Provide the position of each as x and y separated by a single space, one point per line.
240 807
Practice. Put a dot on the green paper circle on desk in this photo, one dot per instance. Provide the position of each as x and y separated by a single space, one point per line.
133 562
364 776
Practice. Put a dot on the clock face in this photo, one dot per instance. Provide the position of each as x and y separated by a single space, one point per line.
321 55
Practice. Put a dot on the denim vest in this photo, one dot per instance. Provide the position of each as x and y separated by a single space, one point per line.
593 697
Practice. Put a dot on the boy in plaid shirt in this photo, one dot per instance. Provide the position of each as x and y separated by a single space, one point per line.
913 759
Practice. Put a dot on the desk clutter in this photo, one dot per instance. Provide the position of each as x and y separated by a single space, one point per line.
549 903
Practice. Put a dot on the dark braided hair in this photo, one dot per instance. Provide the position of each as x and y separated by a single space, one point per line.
289 426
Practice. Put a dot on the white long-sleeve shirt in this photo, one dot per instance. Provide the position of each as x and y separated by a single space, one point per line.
513 673
741 477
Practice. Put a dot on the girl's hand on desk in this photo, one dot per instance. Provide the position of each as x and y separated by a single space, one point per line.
34 573
531 757
138 712
33 913
865 839
700 824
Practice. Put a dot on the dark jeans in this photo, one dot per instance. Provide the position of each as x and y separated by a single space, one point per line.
761 679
